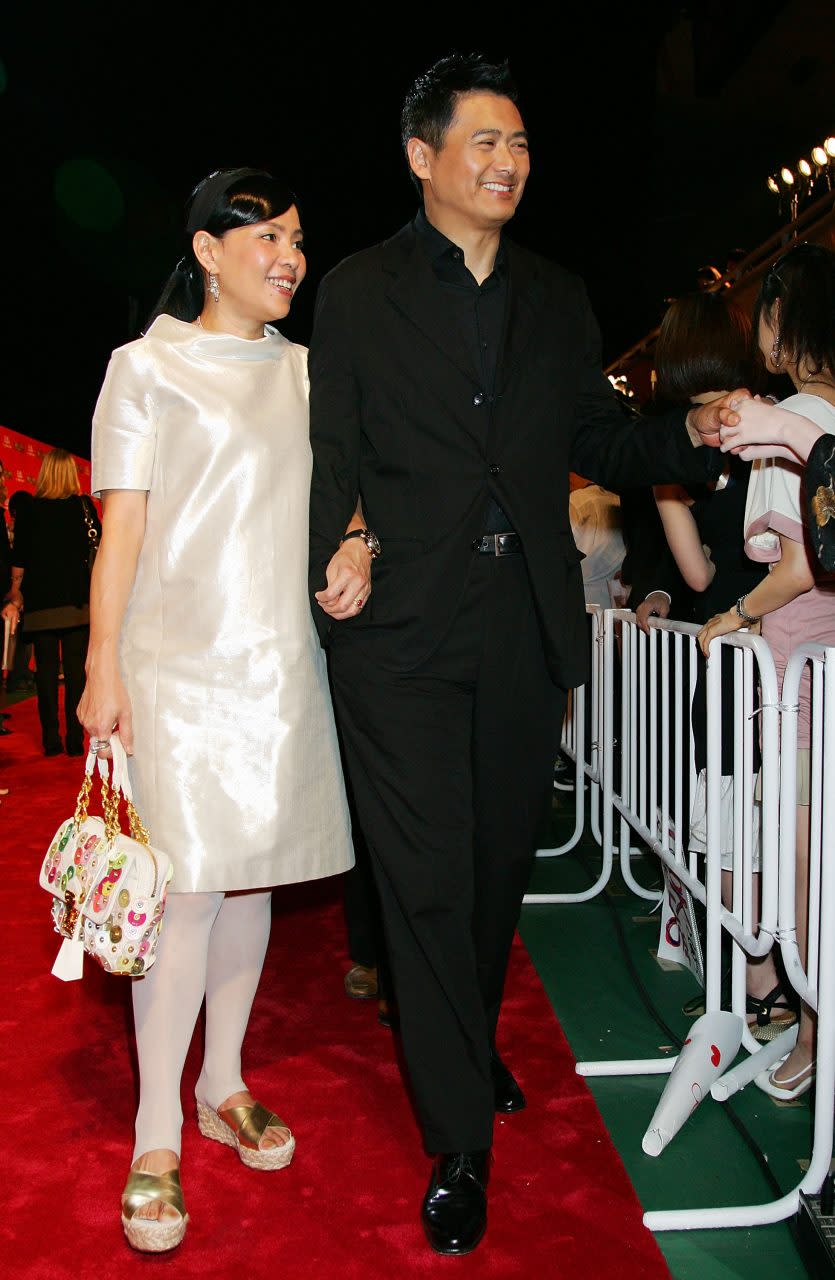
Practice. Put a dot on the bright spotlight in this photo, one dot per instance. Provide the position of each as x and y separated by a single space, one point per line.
829 146
805 168
773 185
820 157
787 176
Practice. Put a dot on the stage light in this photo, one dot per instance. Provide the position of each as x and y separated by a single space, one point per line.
773 185
829 146
787 176
805 168
820 157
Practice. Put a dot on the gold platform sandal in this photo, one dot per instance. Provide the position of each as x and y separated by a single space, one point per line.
152 1235
242 1128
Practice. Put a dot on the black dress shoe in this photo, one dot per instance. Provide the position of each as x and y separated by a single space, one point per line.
454 1209
508 1096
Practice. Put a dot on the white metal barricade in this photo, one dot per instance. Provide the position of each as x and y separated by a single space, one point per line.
643 767
652 797
587 754
658 680
813 980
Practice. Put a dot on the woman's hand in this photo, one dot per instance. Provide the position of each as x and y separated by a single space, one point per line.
105 705
349 581
656 605
759 429
721 624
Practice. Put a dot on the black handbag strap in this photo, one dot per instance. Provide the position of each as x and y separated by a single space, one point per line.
92 531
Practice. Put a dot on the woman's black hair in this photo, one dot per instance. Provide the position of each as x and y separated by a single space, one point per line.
803 281
226 199
704 344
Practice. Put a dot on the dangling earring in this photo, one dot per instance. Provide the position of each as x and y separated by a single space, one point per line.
214 288
776 351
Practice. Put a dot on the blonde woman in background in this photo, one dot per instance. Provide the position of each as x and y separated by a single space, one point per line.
50 573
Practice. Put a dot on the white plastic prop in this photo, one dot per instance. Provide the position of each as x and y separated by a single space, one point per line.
706 1054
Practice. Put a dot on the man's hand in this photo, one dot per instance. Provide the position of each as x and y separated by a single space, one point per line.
656 605
349 581
704 421
11 611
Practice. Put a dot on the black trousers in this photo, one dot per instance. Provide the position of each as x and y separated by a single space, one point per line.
451 767
66 647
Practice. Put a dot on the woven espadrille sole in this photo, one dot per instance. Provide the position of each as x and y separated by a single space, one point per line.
772 1029
211 1126
148 1235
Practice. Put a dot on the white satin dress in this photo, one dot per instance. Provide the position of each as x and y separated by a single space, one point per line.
236 769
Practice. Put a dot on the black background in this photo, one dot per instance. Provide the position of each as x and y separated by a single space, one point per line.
647 161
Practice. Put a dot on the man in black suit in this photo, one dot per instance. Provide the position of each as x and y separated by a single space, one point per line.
455 382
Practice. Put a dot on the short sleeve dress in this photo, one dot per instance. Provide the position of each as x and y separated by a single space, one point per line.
236 768
775 506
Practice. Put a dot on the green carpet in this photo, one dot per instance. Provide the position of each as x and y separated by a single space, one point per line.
579 957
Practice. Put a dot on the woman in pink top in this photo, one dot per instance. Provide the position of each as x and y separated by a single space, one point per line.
796 326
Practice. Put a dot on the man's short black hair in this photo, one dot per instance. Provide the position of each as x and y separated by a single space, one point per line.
429 108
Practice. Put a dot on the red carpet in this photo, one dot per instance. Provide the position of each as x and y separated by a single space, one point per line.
347 1208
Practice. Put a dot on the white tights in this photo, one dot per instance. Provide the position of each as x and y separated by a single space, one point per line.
212 945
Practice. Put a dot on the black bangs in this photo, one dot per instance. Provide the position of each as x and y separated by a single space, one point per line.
258 200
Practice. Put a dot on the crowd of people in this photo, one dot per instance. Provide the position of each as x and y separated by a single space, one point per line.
399 502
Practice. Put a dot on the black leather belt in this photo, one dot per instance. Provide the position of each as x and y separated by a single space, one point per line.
498 544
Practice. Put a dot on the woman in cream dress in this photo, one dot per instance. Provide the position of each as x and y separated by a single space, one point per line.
203 653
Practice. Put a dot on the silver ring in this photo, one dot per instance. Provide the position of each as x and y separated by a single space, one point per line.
99 744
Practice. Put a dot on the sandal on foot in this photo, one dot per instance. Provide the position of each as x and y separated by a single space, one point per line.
242 1128
773 1013
153 1235
790 1088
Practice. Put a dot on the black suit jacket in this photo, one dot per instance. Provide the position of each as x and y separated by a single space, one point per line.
5 557
399 416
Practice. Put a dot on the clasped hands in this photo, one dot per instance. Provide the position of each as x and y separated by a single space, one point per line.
743 424
753 427
349 581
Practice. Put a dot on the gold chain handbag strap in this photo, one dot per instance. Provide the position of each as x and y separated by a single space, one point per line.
110 807
82 804
112 826
109 804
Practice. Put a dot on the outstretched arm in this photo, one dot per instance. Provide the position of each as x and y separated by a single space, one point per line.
617 452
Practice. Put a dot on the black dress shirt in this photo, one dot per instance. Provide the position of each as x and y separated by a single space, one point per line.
479 310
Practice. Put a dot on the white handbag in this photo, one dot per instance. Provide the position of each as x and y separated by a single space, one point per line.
108 888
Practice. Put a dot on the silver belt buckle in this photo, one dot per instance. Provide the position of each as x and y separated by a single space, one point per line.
497 550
